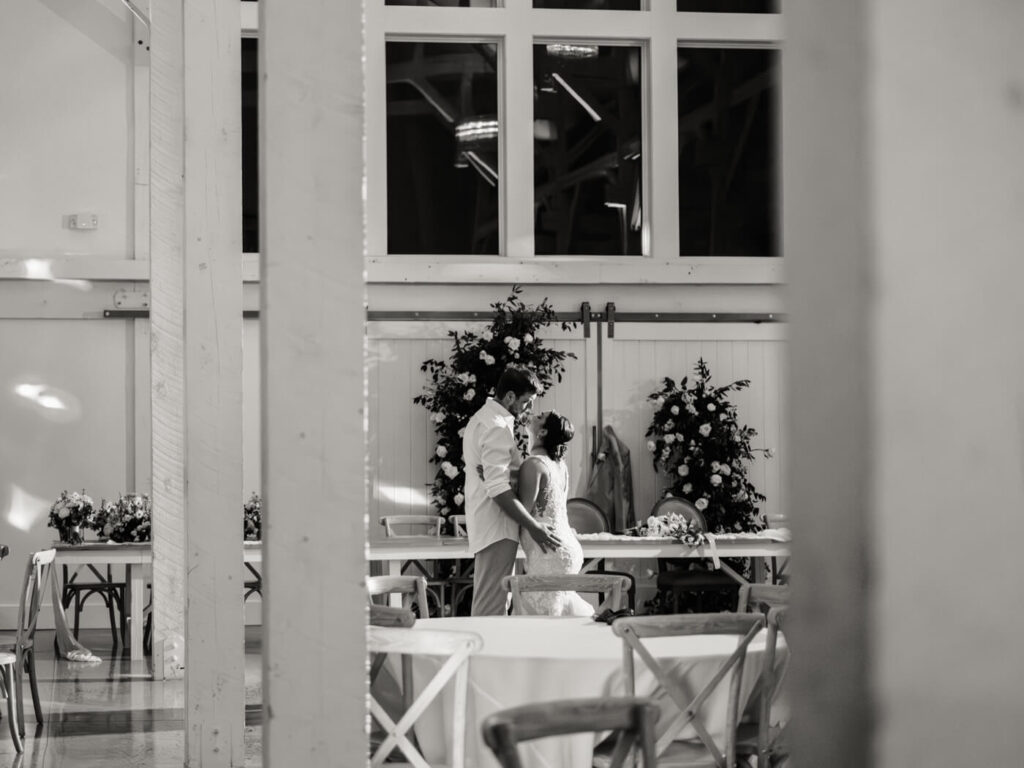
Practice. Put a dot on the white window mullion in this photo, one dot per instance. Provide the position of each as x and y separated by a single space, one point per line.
516 100
661 150
376 137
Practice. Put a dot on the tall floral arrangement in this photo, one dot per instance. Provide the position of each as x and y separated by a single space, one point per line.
458 386
697 440
72 514
252 518
129 519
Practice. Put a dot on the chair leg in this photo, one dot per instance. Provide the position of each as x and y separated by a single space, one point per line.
113 620
34 684
19 679
12 720
78 611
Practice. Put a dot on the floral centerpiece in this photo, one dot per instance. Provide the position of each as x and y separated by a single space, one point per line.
672 526
72 514
252 518
696 439
129 519
458 386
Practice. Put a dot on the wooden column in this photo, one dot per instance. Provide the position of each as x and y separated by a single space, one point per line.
313 382
197 339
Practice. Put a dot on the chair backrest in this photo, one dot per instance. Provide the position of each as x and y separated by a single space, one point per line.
687 509
633 631
389 616
631 720
613 586
459 525
761 597
457 647
397 526
36 572
411 588
585 516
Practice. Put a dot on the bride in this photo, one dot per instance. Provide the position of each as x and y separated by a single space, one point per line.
543 489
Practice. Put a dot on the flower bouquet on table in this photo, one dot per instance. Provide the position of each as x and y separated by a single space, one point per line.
72 514
252 518
672 526
129 519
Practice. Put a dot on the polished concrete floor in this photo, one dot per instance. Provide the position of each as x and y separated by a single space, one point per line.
111 713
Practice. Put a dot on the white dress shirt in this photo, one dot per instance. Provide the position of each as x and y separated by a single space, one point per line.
489 442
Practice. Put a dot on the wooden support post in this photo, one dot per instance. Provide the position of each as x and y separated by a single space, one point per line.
312 319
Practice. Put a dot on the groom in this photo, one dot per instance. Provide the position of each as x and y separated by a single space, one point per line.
494 515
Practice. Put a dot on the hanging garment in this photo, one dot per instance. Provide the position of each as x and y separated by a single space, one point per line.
611 482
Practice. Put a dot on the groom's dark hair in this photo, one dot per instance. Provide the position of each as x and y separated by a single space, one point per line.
517 379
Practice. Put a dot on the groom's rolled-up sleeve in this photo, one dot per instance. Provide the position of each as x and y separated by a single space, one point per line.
496 459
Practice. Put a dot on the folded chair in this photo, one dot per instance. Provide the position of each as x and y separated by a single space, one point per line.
22 643
456 648
612 586
631 720
704 751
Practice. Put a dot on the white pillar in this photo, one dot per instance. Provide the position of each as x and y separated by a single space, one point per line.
312 334
903 191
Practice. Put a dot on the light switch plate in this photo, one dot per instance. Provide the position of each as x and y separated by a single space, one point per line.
83 221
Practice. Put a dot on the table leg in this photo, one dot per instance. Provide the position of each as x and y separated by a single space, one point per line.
135 582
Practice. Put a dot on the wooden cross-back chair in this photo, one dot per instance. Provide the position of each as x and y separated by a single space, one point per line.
681 575
631 721
586 517
22 643
8 661
703 752
418 526
413 590
612 586
456 647
762 597
767 738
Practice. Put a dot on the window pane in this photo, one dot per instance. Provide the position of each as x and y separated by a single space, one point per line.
447 3
250 155
587 144
729 6
728 152
603 5
442 148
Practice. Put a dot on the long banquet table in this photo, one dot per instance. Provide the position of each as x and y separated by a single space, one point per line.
532 659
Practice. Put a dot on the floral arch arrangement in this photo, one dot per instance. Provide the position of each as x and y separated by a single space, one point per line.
458 386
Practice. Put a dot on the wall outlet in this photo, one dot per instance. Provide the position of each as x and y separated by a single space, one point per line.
83 221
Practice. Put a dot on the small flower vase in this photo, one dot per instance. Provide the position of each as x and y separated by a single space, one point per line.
74 535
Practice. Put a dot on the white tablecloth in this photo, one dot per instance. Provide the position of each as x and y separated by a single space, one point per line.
531 659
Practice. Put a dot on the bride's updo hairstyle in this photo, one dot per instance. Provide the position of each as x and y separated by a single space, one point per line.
559 431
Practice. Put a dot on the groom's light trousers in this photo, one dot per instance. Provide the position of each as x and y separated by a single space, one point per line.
491 565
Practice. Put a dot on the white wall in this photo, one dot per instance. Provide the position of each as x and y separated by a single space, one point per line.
65 127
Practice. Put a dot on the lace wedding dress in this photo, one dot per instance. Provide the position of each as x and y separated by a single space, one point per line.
551 510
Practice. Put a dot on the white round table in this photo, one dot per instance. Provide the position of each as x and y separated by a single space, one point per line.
531 659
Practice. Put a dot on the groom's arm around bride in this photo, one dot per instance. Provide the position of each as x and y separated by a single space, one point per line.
494 515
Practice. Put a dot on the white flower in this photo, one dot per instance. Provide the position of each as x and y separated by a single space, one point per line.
484 355
487 335
471 379
665 453
512 343
674 410
690 409
679 437
659 402
470 394
737 437
669 439
527 338
711 407
683 470
701 504
688 488
670 425
458 499
705 429
438 417
449 469
652 446
63 513
463 378
441 451
723 416
489 360
714 466
724 469
715 479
